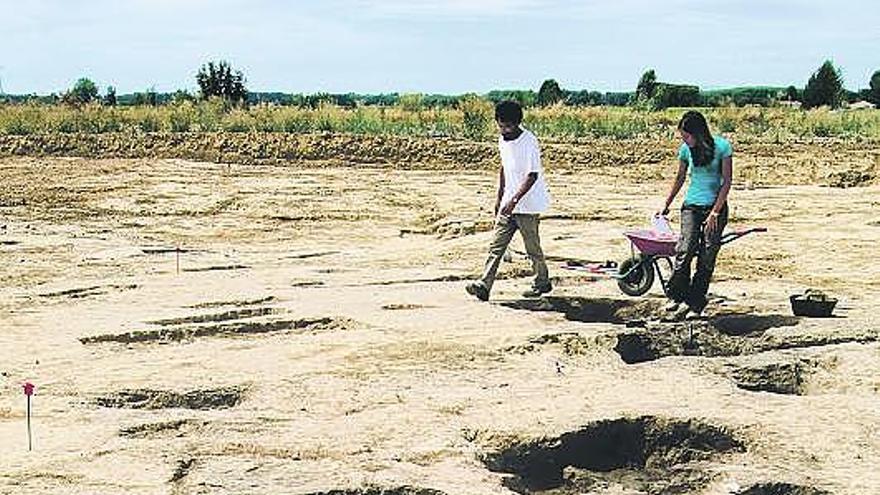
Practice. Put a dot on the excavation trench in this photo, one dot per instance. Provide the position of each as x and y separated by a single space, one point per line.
647 454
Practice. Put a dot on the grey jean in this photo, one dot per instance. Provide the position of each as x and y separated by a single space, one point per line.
527 224
692 242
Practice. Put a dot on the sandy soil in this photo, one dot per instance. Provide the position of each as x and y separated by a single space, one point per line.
312 336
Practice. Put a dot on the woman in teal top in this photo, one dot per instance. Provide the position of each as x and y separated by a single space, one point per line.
708 160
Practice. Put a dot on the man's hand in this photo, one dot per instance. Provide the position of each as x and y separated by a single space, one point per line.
508 208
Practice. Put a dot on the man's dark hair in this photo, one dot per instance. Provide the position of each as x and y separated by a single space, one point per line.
508 111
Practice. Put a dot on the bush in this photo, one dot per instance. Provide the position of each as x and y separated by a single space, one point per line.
477 115
411 102
182 117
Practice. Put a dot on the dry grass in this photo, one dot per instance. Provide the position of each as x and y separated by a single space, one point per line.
472 121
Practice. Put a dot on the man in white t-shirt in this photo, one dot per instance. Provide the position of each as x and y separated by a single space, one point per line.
522 197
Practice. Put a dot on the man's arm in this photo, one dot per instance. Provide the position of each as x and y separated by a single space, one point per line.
523 189
500 191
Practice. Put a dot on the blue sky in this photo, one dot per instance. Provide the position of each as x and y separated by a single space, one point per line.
443 46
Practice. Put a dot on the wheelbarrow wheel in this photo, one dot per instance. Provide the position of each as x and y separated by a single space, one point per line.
639 276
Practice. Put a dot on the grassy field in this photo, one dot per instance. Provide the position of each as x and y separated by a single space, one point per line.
472 120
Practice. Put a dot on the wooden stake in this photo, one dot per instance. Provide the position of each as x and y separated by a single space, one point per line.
28 392
30 441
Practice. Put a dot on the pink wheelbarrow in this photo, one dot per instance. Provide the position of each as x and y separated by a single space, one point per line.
635 275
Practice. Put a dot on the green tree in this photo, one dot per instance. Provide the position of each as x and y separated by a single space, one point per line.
550 93
676 95
791 94
647 86
825 87
584 98
148 97
874 86
218 79
526 98
181 96
110 96
83 92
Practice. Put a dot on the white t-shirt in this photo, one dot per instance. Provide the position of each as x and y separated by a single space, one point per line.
519 158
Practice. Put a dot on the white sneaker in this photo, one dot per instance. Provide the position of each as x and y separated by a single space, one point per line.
693 315
671 306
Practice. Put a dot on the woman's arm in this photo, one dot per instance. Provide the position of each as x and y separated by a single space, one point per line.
726 181
676 186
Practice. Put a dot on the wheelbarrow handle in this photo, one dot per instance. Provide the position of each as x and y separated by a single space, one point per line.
736 234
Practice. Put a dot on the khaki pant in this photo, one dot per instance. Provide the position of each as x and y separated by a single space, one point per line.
504 230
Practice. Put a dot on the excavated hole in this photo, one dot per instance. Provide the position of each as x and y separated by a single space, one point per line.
216 268
185 333
646 454
703 338
182 469
616 311
218 398
404 306
739 325
401 490
781 489
778 378
572 344
238 303
237 314
166 250
178 427
82 292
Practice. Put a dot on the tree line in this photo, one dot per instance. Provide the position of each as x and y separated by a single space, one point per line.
219 80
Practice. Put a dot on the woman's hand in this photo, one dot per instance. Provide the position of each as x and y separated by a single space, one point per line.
711 223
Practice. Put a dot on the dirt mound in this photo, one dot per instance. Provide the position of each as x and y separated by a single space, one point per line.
833 162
